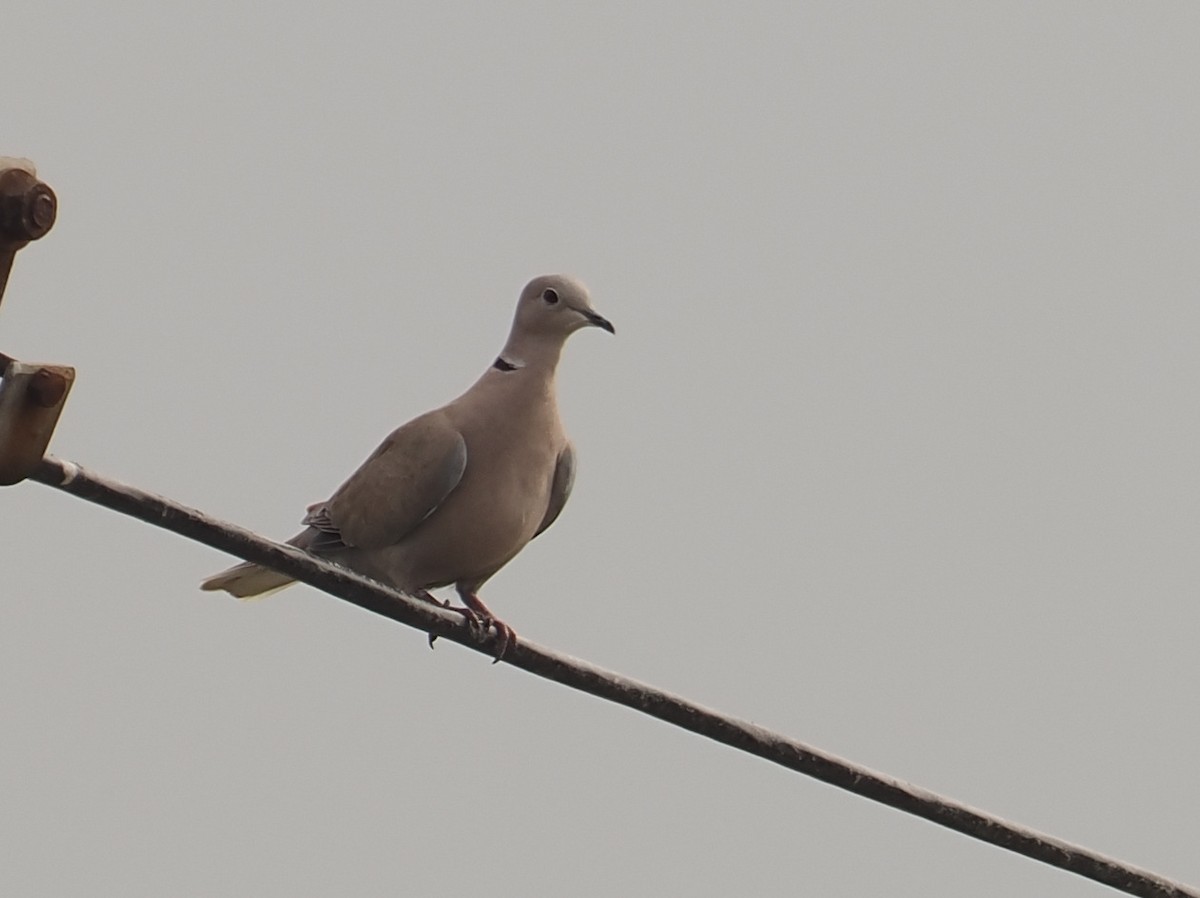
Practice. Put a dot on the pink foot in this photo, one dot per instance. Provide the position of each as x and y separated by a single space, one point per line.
506 636
425 596
478 623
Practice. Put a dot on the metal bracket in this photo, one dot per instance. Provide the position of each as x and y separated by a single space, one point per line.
31 396
31 399
27 211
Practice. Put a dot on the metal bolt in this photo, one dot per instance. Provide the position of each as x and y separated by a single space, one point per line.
43 209
27 208
47 388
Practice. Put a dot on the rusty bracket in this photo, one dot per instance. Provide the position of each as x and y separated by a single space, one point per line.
31 399
27 211
31 396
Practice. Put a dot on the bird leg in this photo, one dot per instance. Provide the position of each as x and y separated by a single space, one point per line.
426 596
506 636
478 628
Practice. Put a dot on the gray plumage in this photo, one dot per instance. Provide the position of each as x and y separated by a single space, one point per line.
453 495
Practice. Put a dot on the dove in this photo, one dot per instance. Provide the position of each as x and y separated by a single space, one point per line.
453 495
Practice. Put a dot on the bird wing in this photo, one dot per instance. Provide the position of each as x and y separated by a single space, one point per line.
403 482
560 487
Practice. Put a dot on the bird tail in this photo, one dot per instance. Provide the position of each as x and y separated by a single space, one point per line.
248 581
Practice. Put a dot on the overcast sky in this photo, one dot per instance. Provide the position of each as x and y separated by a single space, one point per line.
895 450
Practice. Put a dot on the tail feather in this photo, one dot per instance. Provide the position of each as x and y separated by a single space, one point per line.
248 581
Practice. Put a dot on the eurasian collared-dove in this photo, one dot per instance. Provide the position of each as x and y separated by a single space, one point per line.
454 494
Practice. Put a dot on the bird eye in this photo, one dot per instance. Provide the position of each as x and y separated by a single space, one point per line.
551 296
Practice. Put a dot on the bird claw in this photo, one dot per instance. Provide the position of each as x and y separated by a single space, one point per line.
479 622
506 638
425 596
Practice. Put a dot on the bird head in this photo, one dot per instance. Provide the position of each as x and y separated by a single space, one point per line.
555 305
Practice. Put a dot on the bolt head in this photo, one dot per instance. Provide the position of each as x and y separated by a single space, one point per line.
43 210
47 387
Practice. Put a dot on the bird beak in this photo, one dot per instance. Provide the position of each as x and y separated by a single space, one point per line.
598 320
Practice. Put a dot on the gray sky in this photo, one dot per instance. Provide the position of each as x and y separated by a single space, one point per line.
895 450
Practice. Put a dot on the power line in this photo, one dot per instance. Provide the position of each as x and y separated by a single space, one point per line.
674 709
